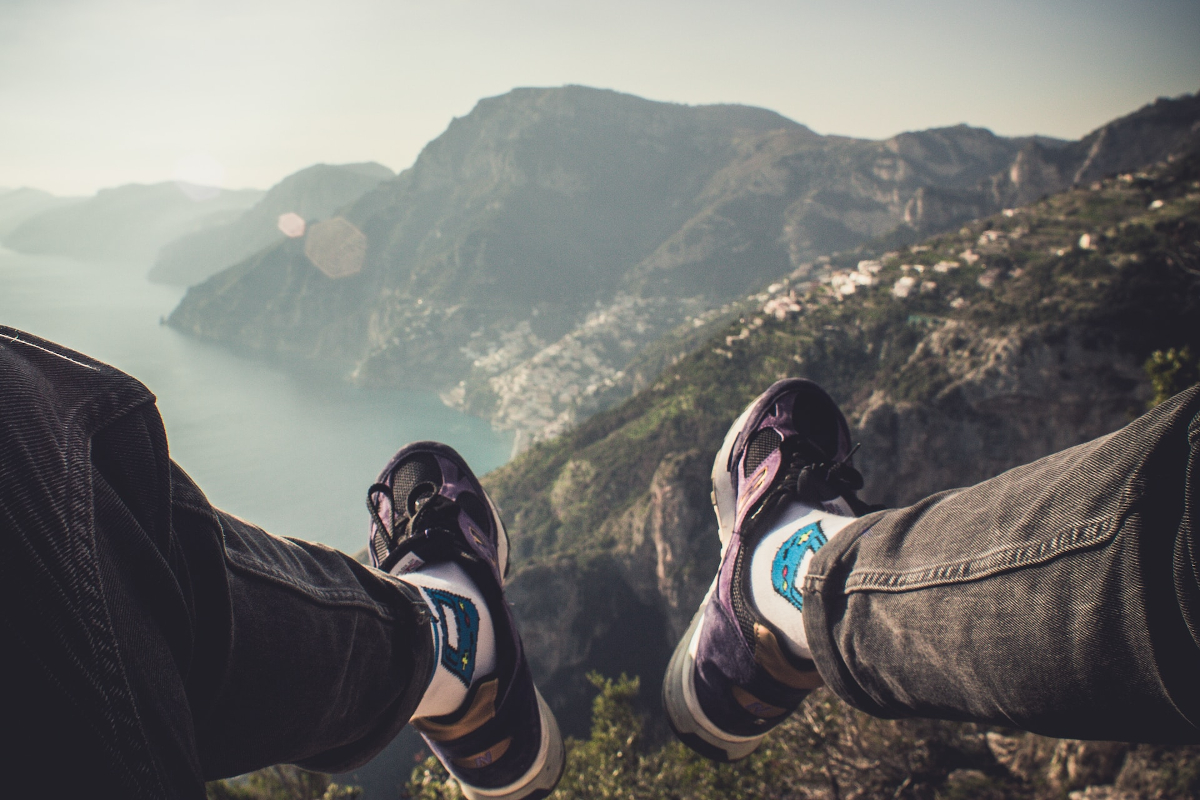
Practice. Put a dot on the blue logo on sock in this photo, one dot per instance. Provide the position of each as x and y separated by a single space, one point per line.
785 567
459 659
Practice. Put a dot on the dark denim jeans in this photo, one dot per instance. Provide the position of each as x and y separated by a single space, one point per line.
152 642
1059 597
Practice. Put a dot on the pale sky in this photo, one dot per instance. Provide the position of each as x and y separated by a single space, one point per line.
97 93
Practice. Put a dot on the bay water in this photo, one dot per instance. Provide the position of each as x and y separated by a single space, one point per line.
290 451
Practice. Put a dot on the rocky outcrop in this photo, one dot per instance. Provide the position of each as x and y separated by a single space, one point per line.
1148 136
619 610
1016 395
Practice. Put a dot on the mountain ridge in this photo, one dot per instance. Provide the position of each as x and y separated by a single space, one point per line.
127 223
21 204
549 237
313 193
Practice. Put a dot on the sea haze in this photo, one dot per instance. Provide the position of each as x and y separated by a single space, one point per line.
291 452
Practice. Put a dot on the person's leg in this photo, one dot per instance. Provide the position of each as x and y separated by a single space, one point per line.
153 642
436 529
1060 597
783 483
320 660
75 726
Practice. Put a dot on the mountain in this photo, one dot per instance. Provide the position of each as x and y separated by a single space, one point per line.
539 246
954 359
18 205
314 194
1129 143
128 223
524 214
545 239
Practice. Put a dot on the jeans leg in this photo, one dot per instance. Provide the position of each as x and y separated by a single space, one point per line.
84 553
323 663
1059 597
153 642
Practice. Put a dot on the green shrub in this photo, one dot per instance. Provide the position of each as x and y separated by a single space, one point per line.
1170 372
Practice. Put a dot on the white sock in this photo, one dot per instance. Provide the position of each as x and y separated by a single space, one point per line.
778 566
464 639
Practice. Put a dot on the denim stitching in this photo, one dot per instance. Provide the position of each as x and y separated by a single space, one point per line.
341 597
1065 541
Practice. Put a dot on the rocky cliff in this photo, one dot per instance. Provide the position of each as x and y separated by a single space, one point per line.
541 244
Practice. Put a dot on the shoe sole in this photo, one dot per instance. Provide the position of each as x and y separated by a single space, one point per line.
541 778
684 714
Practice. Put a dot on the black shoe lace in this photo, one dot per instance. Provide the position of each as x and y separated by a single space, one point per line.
809 475
429 532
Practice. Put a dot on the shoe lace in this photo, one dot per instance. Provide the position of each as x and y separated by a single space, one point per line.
809 475
430 529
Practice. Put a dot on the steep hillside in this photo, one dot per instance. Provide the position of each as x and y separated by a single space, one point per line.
314 194
1129 143
1015 336
127 224
544 241
18 205
514 223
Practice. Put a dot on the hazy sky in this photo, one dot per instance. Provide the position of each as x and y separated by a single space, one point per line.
96 93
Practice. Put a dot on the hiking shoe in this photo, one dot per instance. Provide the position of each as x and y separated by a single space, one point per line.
730 680
428 508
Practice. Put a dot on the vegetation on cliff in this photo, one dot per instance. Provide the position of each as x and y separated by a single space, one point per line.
1022 333
827 751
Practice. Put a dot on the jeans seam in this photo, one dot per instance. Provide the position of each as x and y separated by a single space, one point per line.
331 596
1064 541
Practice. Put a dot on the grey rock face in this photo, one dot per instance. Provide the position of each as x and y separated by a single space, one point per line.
1018 395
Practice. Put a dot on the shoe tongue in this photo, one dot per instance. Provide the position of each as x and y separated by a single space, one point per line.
413 482
817 424
474 509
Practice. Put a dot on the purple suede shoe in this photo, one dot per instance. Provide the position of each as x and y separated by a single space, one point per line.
730 681
427 507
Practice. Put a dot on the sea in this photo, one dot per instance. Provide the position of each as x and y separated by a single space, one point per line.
291 450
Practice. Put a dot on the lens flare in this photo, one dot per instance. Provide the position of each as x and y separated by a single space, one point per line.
291 224
336 247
